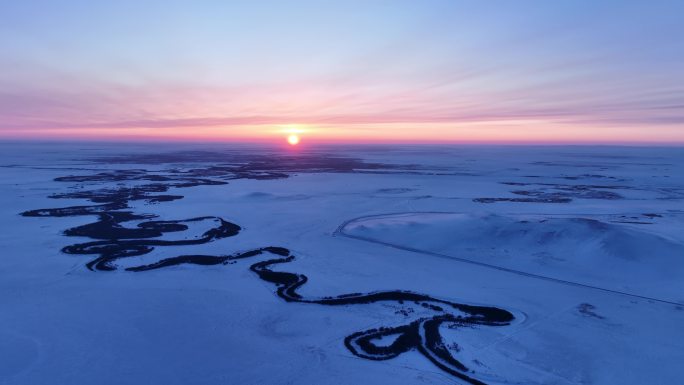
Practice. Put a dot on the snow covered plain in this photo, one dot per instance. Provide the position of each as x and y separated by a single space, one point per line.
369 265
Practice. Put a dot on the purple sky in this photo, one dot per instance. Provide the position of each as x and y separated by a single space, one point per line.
528 71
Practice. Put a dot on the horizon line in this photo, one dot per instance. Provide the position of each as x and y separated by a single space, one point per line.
306 143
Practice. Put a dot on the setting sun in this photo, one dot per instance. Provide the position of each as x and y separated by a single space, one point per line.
293 139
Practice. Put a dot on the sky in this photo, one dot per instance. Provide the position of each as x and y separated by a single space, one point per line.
606 71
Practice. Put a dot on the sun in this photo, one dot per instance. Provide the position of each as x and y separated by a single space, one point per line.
293 139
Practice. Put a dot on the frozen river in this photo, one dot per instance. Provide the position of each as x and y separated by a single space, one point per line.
368 264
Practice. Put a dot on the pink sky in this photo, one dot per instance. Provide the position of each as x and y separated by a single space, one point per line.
576 72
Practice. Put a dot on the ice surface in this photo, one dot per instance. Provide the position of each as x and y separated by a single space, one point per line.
581 245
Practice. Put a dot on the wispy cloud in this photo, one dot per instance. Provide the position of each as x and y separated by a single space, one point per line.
408 65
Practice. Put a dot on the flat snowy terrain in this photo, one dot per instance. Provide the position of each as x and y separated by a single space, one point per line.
232 264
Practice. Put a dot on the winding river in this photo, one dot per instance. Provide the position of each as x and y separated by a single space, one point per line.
420 321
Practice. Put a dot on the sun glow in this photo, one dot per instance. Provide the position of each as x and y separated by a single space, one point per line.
293 132
293 139
295 129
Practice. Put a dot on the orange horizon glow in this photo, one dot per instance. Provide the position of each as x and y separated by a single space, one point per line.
498 132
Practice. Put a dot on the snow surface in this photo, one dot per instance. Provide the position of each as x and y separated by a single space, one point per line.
584 245
596 250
